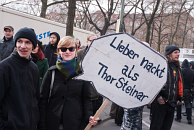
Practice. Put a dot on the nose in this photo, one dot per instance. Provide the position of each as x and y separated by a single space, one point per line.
67 51
23 45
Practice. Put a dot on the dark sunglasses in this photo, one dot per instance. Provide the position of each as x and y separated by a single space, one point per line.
64 49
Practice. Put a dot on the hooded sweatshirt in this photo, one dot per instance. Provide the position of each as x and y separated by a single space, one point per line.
50 51
188 75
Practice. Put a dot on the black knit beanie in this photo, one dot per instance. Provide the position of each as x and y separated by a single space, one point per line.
27 33
40 44
170 48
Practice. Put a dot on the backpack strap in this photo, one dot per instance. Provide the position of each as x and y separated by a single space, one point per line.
52 81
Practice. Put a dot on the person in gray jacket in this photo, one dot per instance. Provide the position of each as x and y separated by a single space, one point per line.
7 43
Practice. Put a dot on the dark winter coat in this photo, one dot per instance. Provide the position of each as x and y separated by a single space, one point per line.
170 91
6 47
50 51
70 102
188 75
81 53
42 67
19 93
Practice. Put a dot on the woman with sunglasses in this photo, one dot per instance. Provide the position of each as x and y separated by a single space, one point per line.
69 104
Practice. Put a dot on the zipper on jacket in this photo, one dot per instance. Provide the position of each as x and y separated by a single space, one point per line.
169 85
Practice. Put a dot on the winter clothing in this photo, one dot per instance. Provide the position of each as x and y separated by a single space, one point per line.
6 47
188 78
163 114
40 61
69 103
170 48
27 33
42 67
9 27
96 98
68 68
19 95
188 75
40 44
170 92
192 63
50 51
81 53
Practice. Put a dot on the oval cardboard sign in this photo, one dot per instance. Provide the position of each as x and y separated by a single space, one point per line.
124 70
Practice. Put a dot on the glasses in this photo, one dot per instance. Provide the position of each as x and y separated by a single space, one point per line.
64 49
90 40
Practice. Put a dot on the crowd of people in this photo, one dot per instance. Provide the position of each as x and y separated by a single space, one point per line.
38 90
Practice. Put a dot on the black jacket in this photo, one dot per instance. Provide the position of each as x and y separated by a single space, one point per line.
70 102
188 75
19 93
50 51
170 90
6 47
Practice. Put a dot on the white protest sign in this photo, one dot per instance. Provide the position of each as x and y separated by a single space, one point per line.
124 70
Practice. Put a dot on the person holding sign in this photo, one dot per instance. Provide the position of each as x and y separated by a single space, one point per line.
68 104
132 118
171 94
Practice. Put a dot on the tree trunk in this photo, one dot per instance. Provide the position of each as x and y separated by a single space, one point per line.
149 22
70 19
177 23
148 33
43 8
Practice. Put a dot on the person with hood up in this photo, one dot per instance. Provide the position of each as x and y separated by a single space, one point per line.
39 59
192 67
19 85
50 50
171 94
188 80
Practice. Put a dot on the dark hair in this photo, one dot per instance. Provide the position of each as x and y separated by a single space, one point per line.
169 58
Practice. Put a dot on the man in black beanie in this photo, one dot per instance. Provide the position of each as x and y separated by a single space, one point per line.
19 85
171 94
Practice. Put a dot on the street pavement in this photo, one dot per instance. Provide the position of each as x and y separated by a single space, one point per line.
109 124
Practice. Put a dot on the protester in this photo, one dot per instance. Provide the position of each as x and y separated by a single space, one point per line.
96 100
70 103
7 44
90 38
19 85
78 43
132 118
188 80
171 94
39 59
50 50
192 89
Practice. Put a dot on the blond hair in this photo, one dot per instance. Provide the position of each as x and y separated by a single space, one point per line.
65 42
90 35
